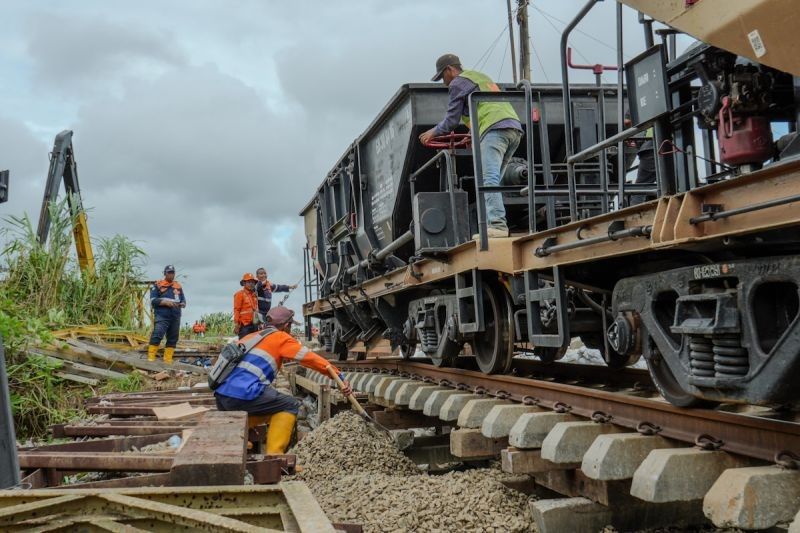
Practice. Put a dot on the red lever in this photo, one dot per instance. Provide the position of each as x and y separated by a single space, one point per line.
596 68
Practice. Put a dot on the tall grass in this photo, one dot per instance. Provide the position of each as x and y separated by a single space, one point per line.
218 324
43 288
45 279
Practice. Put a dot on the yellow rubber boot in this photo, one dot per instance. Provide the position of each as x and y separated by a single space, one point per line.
151 352
279 433
168 353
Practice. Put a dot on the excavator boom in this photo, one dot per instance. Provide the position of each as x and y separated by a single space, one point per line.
63 167
762 30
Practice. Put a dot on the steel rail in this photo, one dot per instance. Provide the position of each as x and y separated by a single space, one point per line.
748 435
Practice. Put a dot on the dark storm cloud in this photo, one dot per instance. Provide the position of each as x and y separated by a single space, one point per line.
71 49
192 137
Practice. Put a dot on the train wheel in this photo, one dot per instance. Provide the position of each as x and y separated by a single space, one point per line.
668 386
494 348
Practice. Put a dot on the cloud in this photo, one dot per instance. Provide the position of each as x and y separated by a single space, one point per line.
71 49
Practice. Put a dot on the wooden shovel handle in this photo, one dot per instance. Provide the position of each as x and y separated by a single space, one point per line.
356 406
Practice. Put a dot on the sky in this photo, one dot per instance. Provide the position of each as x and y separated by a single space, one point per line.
202 128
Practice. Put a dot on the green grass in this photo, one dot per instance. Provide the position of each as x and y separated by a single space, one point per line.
43 289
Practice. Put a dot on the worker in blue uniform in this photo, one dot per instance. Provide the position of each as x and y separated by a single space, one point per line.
167 299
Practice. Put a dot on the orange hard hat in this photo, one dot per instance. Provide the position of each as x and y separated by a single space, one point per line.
247 276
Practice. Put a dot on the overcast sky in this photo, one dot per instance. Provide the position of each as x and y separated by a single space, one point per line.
203 127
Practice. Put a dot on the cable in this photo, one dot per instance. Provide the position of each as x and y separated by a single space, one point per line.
559 34
538 59
488 54
590 36
503 61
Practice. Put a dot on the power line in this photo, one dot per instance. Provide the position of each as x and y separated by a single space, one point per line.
588 35
539 60
546 18
502 62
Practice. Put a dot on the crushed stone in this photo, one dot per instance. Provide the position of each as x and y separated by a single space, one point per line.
358 476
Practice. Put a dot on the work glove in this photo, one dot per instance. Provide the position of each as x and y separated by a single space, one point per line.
236 328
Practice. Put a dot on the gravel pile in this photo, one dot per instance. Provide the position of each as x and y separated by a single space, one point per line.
359 476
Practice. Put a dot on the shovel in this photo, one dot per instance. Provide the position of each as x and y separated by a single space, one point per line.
357 406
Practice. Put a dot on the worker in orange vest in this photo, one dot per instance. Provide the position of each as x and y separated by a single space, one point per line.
245 307
196 328
247 388
202 328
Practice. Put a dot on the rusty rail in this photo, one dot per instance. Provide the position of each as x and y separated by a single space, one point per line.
751 436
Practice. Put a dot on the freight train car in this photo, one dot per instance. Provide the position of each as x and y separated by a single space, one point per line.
696 270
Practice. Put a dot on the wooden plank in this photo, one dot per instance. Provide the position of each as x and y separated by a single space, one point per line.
215 453
178 411
120 444
404 419
77 379
307 512
75 366
107 431
147 480
471 444
130 360
97 461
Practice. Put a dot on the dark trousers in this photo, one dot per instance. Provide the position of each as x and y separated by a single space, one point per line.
270 402
247 330
166 326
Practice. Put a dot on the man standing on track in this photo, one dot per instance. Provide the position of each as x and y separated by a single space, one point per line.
167 298
498 125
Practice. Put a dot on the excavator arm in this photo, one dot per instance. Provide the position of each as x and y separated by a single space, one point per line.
764 31
63 167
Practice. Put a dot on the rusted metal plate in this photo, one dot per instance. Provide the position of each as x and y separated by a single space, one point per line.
752 436
283 507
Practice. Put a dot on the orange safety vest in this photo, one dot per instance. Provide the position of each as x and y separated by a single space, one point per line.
244 303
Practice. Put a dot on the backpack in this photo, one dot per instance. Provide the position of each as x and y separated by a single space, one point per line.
230 357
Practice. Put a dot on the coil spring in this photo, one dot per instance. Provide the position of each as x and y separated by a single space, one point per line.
719 356
730 358
701 356
429 339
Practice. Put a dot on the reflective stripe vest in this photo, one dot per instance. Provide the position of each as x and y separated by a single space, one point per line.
489 113
244 303
260 365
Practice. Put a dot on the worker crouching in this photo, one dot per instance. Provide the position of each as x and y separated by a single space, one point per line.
167 298
248 386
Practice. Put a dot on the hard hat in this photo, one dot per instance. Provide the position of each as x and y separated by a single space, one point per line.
280 315
169 268
247 276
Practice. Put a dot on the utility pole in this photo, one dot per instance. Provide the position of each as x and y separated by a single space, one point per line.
524 40
511 40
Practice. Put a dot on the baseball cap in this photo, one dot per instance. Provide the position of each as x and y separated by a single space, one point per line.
280 315
169 268
442 63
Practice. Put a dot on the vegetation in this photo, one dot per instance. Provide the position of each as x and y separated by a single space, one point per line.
43 289
218 324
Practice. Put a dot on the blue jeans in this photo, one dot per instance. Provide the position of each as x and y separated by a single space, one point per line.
497 147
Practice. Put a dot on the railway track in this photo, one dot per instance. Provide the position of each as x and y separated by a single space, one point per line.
603 438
